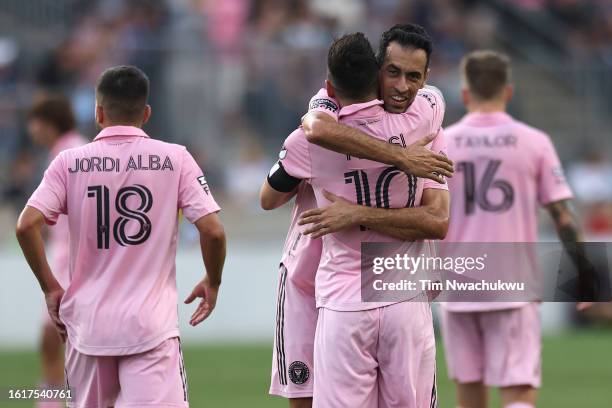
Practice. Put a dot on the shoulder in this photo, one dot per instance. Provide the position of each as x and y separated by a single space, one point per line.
297 136
453 129
530 134
432 94
322 101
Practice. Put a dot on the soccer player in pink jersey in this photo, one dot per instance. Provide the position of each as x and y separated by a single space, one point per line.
505 170
121 194
296 312
361 346
51 124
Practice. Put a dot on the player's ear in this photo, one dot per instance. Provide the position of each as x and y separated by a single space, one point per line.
465 96
508 93
330 89
426 77
146 114
99 115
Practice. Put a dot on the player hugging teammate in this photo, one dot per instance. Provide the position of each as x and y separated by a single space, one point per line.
365 354
368 164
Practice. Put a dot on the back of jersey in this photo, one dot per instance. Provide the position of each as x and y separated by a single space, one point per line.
122 193
504 169
364 182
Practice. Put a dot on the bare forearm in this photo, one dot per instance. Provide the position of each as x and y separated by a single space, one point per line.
404 234
566 223
213 253
33 248
353 142
408 224
570 234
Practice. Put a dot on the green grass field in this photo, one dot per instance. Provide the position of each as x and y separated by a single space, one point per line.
577 373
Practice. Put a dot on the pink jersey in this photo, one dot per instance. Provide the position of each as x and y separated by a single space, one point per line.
338 280
122 193
301 253
59 238
503 170
429 103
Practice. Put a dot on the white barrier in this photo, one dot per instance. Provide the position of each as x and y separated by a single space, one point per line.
245 310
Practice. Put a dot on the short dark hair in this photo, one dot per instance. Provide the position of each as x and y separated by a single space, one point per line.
352 66
123 92
406 35
486 73
54 110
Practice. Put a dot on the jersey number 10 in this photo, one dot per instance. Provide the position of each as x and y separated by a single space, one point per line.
101 194
362 187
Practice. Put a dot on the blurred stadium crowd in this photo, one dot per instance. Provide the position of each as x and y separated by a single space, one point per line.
230 79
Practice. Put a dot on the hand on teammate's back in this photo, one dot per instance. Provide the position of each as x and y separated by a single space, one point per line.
53 300
208 292
419 160
340 214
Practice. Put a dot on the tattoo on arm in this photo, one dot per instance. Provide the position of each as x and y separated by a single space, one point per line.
565 221
570 235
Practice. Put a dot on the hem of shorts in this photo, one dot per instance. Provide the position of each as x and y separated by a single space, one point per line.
153 404
518 305
534 384
285 394
496 384
122 350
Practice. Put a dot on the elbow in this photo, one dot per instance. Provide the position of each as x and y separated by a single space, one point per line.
439 229
23 228
20 231
266 203
215 234
314 133
443 228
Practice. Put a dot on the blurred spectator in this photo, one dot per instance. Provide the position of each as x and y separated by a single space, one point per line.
590 180
219 67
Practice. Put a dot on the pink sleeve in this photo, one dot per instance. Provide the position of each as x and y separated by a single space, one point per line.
194 198
322 102
552 185
295 155
439 109
50 196
437 146
430 104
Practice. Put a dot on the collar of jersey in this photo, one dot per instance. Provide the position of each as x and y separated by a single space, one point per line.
486 118
356 107
121 131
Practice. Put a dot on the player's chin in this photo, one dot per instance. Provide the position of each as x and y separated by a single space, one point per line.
395 106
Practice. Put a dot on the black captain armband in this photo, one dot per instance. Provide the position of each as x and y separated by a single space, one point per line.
280 180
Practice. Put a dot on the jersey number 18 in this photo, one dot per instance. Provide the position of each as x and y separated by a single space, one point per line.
101 194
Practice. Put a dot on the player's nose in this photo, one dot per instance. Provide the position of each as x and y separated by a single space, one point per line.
401 87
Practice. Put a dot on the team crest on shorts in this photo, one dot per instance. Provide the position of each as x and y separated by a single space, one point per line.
298 372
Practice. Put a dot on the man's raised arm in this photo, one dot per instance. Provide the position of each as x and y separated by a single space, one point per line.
321 129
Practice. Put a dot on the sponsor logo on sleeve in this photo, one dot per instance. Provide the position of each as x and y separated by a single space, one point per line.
431 101
558 174
204 184
324 104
